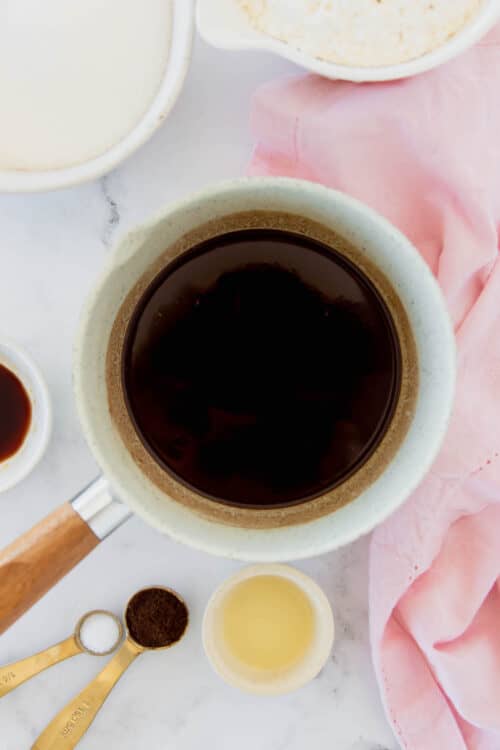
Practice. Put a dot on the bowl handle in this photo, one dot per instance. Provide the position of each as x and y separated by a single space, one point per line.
34 563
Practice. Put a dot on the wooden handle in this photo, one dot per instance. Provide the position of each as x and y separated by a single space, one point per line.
35 562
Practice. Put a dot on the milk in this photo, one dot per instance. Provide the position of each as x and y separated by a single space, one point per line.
76 76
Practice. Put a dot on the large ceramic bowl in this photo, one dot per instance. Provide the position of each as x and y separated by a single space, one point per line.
175 73
223 24
156 242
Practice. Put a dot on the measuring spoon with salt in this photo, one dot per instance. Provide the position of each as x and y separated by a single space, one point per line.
156 618
97 633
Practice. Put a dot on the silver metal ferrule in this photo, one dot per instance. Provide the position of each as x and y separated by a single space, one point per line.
100 510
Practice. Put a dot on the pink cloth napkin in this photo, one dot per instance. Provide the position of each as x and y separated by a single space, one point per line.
426 153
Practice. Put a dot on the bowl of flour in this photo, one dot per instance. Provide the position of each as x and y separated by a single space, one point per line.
84 84
355 40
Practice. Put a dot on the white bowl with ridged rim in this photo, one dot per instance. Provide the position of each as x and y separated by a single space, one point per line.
16 468
260 683
183 22
395 256
226 26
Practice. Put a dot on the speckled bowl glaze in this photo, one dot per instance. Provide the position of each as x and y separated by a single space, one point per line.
384 247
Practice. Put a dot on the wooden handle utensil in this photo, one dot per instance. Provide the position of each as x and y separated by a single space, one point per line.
34 563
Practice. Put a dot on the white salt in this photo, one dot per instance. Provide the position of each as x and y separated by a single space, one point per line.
100 633
76 76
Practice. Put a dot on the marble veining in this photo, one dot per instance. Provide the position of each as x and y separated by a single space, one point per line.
51 248
113 212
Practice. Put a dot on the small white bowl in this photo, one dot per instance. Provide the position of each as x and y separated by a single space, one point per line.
262 683
223 24
175 73
18 466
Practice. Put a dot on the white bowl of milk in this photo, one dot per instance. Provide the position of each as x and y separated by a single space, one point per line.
84 84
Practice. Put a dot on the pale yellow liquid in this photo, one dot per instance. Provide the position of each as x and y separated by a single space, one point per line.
267 623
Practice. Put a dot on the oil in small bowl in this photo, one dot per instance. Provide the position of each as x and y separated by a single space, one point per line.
269 629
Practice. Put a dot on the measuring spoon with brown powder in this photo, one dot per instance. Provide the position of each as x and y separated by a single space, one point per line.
156 619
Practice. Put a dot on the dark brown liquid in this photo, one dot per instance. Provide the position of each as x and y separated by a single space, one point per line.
15 413
261 368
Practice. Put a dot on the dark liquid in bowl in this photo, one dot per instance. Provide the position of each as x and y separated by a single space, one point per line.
261 368
15 413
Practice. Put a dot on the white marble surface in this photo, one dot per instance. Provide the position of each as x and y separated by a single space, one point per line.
51 249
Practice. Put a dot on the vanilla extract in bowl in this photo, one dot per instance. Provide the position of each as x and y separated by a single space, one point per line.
15 413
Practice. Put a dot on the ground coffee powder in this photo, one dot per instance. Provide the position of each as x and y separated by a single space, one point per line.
156 618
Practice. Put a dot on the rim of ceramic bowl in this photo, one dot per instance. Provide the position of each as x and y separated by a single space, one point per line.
252 39
21 464
164 101
297 676
402 475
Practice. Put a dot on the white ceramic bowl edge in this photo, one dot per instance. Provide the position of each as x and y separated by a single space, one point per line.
298 675
175 73
224 25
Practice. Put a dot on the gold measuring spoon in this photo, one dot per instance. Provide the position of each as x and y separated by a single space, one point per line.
162 611
15 674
